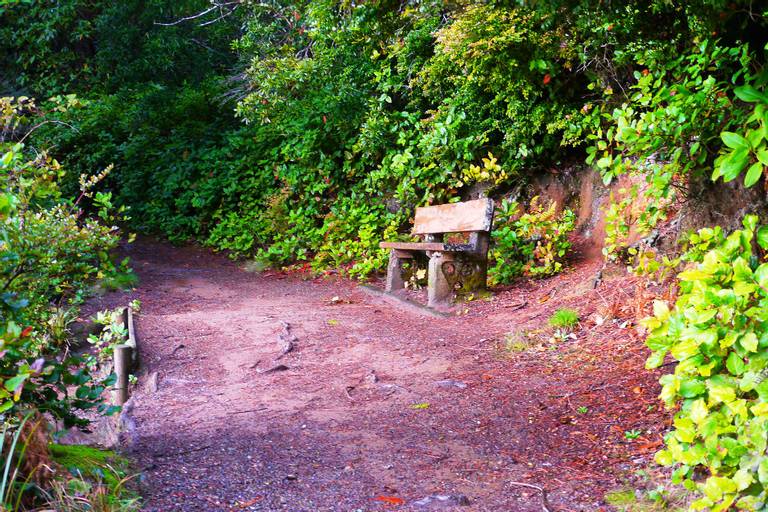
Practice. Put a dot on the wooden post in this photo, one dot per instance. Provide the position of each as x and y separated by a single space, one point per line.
131 341
122 359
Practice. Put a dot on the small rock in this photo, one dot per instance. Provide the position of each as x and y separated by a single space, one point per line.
388 389
152 383
127 435
437 501
371 378
291 477
448 383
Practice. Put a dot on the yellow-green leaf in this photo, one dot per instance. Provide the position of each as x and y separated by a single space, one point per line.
749 341
753 174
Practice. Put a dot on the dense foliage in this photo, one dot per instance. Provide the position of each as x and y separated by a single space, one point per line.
51 255
533 242
355 114
716 330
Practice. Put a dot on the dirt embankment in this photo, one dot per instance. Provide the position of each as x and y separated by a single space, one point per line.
700 203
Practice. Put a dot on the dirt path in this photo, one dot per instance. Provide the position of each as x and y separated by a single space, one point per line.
360 416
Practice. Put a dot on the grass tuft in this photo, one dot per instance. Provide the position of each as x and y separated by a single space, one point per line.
564 318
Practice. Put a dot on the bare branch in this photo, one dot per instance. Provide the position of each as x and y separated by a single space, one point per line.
221 16
50 121
220 6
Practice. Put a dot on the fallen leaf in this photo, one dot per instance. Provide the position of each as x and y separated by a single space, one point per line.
391 500
651 445
423 405
249 502
333 322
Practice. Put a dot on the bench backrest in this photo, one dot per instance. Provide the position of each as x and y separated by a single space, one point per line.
464 217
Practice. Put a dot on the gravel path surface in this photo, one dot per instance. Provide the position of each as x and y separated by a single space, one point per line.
269 392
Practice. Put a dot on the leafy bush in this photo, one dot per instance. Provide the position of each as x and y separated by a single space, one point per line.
355 115
51 255
678 113
532 243
717 332
748 151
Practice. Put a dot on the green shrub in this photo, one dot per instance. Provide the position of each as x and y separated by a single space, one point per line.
534 243
564 319
679 113
355 115
717 331
749 148
51 257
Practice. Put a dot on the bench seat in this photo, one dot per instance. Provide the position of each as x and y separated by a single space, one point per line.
427 246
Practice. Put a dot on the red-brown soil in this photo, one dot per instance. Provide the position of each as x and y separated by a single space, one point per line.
214 431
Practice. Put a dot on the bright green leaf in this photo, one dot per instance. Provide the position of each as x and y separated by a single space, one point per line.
735 141
753 174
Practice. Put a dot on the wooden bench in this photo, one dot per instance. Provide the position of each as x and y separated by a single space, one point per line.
452 266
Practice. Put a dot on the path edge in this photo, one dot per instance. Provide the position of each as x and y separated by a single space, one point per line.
402 302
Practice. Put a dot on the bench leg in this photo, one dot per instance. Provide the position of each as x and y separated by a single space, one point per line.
439 290
394 272
483 274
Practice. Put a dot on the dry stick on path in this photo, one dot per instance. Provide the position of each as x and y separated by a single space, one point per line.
258 409
544 500
515 307
583 391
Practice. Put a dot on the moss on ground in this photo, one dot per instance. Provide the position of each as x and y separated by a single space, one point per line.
628 500
91 463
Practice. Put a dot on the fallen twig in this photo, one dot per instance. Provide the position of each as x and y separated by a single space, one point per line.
588 390
601 297
276 368
250 410
545 501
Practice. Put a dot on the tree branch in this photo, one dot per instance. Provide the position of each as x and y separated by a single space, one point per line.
216 6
